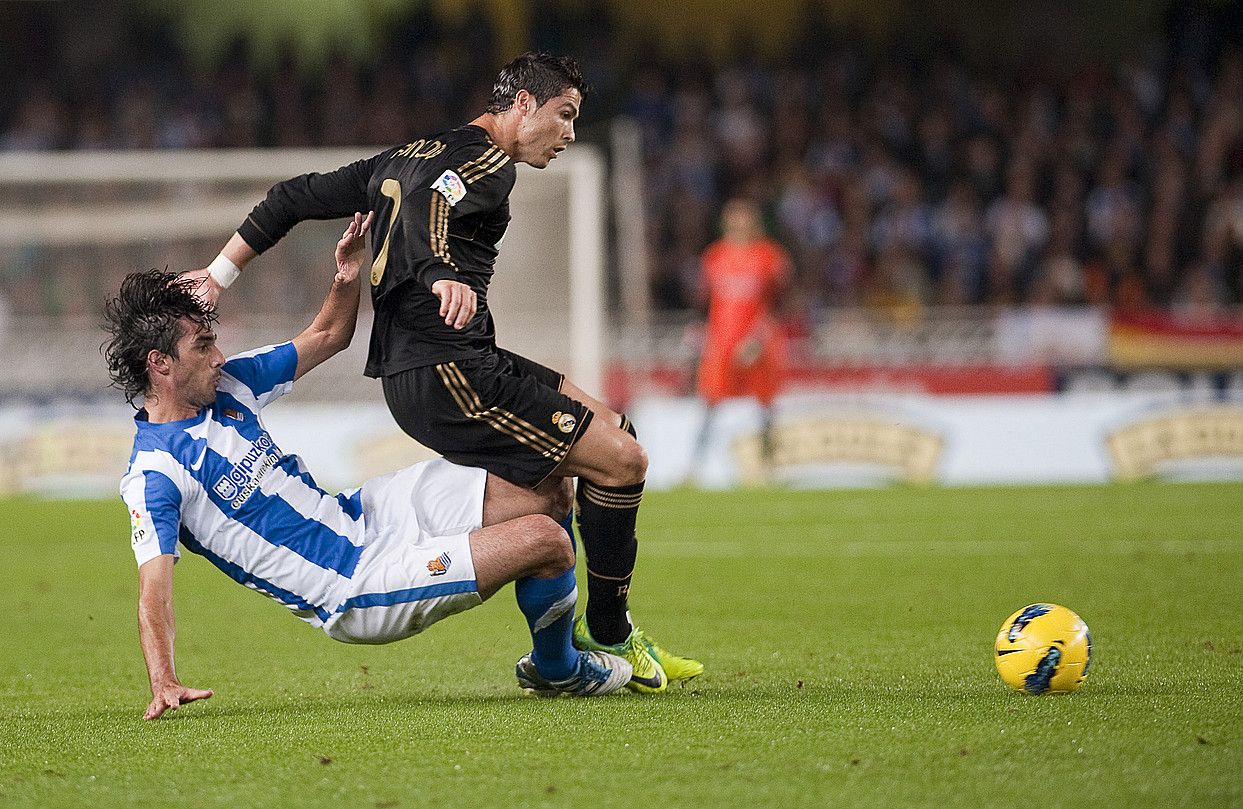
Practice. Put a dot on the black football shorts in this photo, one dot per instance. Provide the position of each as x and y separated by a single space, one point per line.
501 412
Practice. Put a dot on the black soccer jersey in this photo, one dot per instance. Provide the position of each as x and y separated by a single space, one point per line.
442 207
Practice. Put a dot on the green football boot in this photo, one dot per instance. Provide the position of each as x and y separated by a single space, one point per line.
647 676
677 669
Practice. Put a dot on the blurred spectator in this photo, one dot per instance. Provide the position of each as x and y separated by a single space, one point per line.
958 246
39 123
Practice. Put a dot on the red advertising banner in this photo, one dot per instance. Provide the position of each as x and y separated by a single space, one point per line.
1163 340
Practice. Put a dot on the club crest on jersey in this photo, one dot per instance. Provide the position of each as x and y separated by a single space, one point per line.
440 565
450 187
565 421
226 488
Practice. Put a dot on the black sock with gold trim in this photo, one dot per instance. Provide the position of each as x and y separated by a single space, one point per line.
606 518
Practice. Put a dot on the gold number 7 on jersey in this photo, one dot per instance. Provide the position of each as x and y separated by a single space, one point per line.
391 189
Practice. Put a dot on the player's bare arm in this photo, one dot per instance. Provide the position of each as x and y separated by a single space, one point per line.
156 632
333 327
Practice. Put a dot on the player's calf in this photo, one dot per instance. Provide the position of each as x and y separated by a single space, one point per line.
547 597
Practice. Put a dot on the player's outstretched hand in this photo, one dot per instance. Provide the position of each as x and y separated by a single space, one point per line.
206 289
457 302
350 252
172 696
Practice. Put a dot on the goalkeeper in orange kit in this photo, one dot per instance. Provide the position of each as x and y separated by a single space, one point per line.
745 275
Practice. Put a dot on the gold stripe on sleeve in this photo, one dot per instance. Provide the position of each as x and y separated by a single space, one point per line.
487 155
484 169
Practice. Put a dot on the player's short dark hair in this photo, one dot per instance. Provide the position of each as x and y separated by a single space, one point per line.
146 315
541 74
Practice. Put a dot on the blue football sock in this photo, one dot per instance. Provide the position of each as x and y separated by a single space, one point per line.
548 605
568 525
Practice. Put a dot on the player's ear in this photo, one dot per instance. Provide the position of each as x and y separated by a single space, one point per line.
158 362
525 102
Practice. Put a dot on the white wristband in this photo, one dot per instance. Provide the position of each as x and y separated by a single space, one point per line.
224 271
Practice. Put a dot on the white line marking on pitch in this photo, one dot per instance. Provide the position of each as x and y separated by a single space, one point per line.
660 543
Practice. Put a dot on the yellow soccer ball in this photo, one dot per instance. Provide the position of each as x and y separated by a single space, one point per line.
1043 649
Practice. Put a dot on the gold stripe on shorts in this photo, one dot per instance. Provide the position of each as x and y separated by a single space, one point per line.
504 417
501 420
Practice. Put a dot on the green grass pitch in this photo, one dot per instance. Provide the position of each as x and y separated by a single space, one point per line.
848 639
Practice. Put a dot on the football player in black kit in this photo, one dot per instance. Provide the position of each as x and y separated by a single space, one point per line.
442 207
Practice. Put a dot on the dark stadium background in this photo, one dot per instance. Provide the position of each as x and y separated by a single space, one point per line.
1108 132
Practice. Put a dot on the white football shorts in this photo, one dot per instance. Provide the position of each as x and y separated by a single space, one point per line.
417 566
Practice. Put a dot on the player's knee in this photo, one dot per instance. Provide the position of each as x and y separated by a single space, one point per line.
631 463
550 544
617 459
561 551
626 465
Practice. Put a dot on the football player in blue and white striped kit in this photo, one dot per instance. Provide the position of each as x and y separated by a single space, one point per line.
372 565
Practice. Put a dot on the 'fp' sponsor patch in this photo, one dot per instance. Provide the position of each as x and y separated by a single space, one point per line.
137 534
450 187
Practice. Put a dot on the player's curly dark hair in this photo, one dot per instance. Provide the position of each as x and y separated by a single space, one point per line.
146 315
541 74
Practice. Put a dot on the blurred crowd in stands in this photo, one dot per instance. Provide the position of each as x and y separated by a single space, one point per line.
895 181
901 185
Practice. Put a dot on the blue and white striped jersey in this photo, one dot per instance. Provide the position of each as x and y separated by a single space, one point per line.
219 483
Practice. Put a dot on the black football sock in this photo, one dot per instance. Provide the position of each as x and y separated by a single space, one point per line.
606 518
